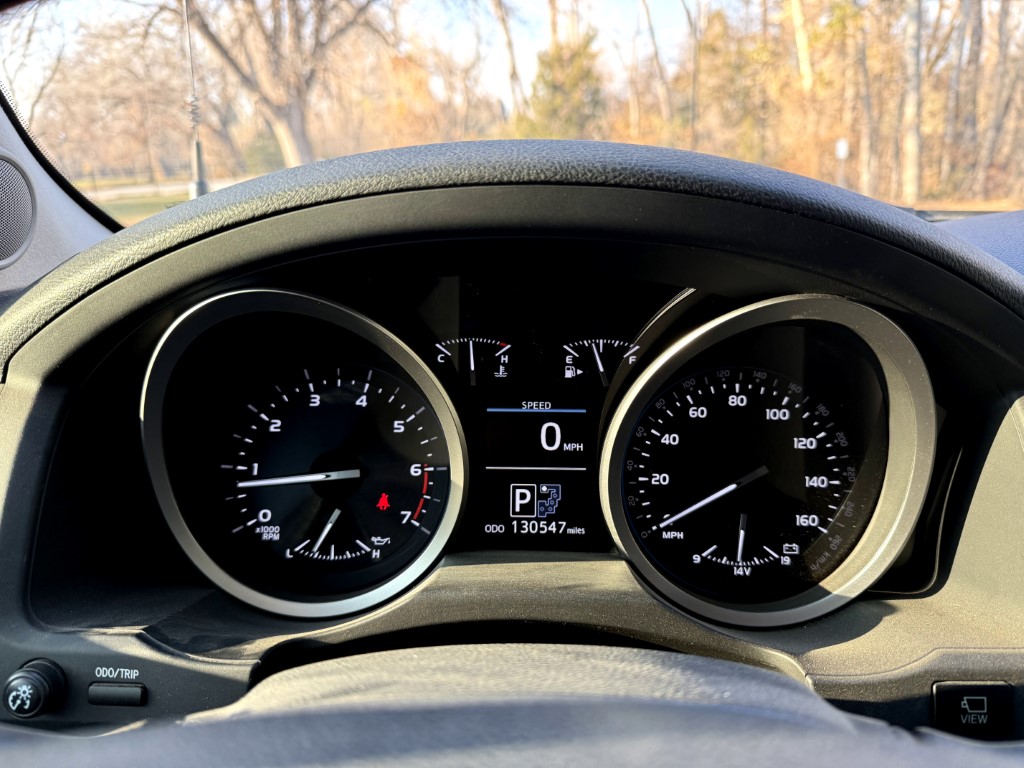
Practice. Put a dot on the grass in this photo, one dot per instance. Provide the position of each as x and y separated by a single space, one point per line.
129 210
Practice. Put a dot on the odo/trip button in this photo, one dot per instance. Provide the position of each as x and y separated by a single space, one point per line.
126 693
117 694
980 710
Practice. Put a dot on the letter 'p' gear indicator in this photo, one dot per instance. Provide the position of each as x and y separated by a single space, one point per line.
526 500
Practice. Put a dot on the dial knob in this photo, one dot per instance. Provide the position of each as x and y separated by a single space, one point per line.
37 687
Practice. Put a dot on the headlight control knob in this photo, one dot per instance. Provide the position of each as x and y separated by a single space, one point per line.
37 687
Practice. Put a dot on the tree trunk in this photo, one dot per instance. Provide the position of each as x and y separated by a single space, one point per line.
289 127
949 143
910 154
969 100
866 141
803 45
661 86
894 140
762 106
694 22
1002 93
515 84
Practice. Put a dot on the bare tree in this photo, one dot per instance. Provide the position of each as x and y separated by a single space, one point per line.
661 80
22 27
952 112
968 134
867 140
1003 85
910 149
502 14
278 49
693 18
803 45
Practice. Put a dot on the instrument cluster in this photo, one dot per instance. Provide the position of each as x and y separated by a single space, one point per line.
757 466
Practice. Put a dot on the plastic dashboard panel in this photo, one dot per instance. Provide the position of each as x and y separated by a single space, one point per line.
734 232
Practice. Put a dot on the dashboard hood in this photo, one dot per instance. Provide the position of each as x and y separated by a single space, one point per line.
502 164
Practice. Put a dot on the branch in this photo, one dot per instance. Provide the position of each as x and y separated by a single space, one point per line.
322 46
222 52
357 16
255 16
45 84
296 20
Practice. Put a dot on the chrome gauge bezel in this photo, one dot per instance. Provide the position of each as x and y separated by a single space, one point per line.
169 350
911 452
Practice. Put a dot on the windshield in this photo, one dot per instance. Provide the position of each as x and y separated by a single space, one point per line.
144 103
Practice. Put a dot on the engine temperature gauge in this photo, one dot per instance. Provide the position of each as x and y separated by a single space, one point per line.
476 358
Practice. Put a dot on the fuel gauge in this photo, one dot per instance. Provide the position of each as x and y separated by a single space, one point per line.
597 358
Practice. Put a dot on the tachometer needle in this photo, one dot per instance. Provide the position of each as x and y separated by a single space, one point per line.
759 472
326 530
313 477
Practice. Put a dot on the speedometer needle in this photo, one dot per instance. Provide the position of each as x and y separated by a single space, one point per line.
759 472
326 530
313 477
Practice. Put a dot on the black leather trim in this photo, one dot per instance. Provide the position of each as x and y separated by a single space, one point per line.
499 163
999 234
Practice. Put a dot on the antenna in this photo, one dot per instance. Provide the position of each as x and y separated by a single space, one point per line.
198 185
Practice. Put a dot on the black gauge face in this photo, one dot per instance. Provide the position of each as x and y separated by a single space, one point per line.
597 358
739 481
764 468
480 360
303 468
336 476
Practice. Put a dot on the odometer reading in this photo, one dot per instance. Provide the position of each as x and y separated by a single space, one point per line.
737 482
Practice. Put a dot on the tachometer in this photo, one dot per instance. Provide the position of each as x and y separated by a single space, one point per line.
770 465
307 462
344 466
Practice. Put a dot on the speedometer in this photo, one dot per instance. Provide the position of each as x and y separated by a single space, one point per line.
770 465
739 482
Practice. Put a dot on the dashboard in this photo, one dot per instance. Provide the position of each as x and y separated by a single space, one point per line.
586 395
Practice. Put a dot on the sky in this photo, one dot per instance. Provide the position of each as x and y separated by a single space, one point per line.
620 24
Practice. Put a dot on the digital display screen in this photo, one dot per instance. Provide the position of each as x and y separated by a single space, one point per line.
528 375
539 476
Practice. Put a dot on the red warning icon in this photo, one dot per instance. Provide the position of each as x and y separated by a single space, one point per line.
383 505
